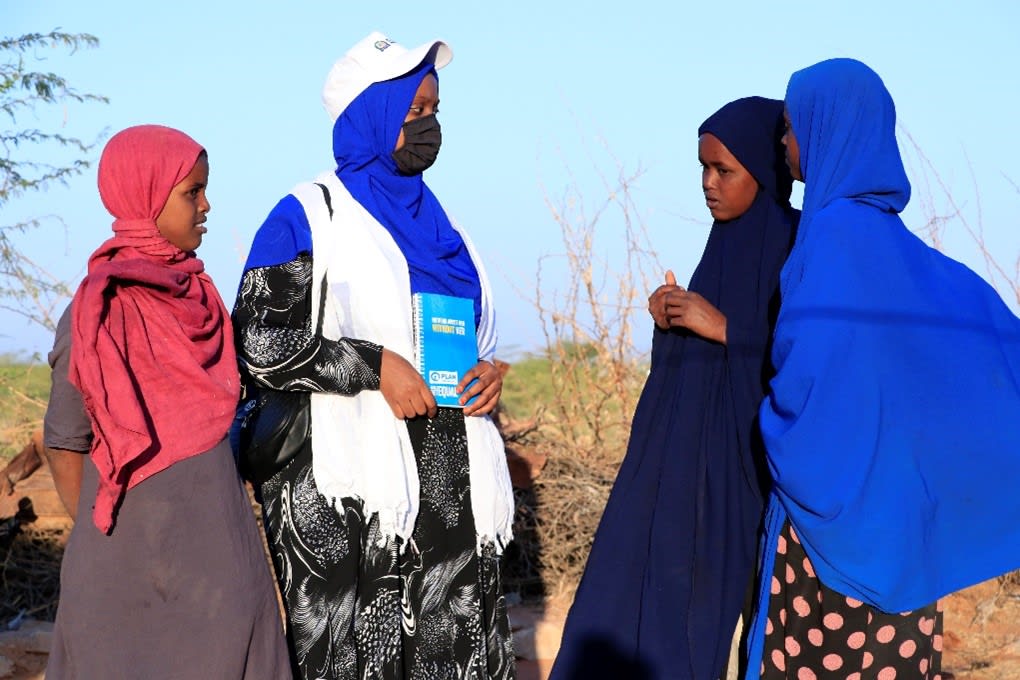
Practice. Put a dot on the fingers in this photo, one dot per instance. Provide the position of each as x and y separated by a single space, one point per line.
475 371
676 297
395 407
420 401
430 407
485 396
665 289
692 311
678 307
413 403
484 384
657 307
670 278
657 304
404 389
471 384
482 405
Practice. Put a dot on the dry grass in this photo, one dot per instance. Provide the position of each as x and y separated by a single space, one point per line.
24 391
554 527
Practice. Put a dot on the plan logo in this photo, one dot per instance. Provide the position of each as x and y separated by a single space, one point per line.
443 377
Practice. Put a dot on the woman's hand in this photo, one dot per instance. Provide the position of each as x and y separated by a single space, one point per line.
403 388
673 307
657 301
689 310
488 385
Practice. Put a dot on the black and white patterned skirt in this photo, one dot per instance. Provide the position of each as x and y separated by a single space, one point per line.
433 610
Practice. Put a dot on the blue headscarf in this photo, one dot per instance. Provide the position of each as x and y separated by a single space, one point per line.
674 552
849 145
363 139
893 423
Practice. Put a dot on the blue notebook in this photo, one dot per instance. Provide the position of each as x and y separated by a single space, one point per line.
445 345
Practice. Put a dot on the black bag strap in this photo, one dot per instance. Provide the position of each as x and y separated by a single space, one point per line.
325 195
322 285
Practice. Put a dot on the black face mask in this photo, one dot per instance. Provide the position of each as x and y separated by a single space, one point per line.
422 138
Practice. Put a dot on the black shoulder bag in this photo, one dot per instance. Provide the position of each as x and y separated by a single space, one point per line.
270 426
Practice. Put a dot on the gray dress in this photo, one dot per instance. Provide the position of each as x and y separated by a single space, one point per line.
181 588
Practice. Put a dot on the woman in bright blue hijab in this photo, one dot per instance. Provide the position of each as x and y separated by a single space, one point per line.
386 527
892 425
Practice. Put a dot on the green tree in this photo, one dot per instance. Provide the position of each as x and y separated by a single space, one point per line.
26 287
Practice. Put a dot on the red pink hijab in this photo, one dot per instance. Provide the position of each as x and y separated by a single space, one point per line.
152 349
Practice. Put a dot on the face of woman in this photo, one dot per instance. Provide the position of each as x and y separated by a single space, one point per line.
425 103
182 220
729 188
792 149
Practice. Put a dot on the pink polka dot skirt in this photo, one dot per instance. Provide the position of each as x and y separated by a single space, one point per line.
814 633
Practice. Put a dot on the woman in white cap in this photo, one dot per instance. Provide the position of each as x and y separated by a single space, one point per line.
387 525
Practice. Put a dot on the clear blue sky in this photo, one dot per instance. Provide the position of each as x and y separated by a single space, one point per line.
534 90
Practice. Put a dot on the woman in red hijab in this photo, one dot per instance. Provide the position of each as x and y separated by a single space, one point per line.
164 574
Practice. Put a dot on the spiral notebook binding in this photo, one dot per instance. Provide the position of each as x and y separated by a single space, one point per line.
419 333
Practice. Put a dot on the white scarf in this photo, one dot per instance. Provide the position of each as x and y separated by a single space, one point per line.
359 448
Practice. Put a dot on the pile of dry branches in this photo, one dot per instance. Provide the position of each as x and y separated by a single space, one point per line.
30 575
556 522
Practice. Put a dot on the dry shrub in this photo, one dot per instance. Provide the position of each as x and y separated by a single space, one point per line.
554 527
594 376
595 370
1010 583
30 575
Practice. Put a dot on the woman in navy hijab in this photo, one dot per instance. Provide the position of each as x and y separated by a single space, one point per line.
892 425
673 556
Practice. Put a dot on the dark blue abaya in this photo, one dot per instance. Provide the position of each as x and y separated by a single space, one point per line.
674 552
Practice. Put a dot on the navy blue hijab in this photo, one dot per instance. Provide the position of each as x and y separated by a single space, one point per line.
674 552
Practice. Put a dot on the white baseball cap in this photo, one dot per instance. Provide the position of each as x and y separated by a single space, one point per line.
373 59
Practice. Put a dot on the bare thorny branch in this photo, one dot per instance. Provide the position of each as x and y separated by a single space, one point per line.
937 222
27 288
586 323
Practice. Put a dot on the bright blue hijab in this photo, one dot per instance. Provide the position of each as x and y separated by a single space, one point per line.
363 139
893 424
